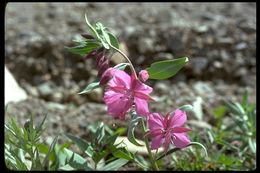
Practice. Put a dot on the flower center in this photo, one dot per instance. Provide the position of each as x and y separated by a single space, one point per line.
128 94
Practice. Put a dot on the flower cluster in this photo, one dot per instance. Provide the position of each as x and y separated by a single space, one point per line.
124 91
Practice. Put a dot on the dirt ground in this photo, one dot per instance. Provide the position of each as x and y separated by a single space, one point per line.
218 38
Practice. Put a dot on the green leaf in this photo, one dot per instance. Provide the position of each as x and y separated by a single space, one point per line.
39 127
90 87
113 40
100 155
252 145
121 153
115 165
52 147
167 68
219 111
177 149
186 108
100 133
79 142
83 49
92 29
121 66
133 123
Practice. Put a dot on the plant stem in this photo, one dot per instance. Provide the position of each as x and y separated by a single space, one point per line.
153 162
124 55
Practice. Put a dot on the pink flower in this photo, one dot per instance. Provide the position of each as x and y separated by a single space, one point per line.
168 129
123 91
143 75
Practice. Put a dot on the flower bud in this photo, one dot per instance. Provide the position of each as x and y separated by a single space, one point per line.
143 75
87 36
107 75
91 54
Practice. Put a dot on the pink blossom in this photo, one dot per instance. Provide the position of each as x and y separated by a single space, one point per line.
123 91
168 129
143 75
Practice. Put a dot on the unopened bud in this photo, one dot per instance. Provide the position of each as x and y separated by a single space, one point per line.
87 36
91 54
143 75
107 75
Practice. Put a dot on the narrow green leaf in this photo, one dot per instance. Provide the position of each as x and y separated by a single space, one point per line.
186 108
177 149
92 29
100 133
252 145
79 142
113 40
51 148
121 66
83 49
100 155
39 127
121 153
90 87
115 165
133 123
167 68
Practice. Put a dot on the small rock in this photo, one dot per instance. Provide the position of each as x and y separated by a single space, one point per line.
162 87
217 64
146 45
203 89
199 64
224 55
241 46
202 28
225 41
45 89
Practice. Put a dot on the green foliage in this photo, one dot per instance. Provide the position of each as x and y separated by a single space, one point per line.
102 38
166 69
131 128
84 47
23 149
100 150
91 87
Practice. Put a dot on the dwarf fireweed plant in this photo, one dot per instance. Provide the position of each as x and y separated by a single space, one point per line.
126 94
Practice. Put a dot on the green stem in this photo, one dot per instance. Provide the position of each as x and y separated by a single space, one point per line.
124 55
152 160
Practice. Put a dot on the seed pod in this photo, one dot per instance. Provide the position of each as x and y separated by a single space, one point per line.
87 36
103 67
93 53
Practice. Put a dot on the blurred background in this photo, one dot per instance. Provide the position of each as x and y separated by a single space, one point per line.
218 38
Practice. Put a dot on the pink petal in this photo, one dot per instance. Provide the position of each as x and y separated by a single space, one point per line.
155 121
178 119
181 140
180 129
143 96
117 104
141 106
121 79
138 86
156 132
157 142
167 142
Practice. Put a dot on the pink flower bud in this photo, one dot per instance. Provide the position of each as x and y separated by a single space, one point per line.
107 75
143 75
